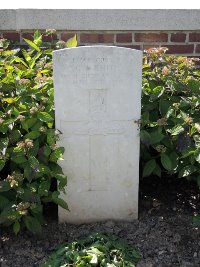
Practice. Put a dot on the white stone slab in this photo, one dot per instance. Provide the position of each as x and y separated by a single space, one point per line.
97 101
101 19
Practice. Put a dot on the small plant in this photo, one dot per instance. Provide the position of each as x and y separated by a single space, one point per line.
28 150
196 219
96 250
170 126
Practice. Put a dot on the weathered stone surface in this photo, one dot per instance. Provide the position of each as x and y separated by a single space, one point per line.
97 101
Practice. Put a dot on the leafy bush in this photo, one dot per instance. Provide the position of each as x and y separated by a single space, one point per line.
170 126
28 152
96 250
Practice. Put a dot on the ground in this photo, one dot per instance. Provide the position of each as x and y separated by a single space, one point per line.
165 234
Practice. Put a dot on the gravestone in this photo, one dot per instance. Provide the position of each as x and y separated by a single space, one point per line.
97 107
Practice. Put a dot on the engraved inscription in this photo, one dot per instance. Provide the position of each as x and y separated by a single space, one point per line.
91 70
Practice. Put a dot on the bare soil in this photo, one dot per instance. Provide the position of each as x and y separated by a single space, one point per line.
165 234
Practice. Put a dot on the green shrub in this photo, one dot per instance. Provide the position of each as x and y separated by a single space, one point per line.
170 126
96 250
28 152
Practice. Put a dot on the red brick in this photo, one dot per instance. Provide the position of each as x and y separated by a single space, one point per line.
151 37
124 38
96 38
180 49
198 48
27 35
178 37
66 36
138 47
49 38
13 36
194 37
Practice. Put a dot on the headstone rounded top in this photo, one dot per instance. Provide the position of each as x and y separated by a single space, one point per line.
99 47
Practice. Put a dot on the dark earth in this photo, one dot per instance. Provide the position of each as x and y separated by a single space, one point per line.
165 234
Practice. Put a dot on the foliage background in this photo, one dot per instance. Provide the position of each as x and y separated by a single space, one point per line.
170 126
28 150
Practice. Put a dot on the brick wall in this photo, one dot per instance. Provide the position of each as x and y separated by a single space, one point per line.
179 42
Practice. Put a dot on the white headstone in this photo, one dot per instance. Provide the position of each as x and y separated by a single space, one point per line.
97 104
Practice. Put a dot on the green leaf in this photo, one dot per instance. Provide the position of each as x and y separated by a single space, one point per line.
37 209
156 137
157 170
188 153
33 225
26 55
145 137
9 214
2 164
33 151
55 168
51 137
149 167
194 85
176 130
3 143
4 186
164 106
184 115
145 118
61 203
28 173
31 44
19 159
10 100
62 180
166 162
37 38
14 136
44 116
34 163
3 201
170 113
28 123
37 126
43 189
16 227
15 111
32 135
47 150
72 42
45 169
19 60
57 154
174 160
29 194
3 128
34 59
186 171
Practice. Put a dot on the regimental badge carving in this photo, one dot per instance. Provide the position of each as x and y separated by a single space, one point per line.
98 101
